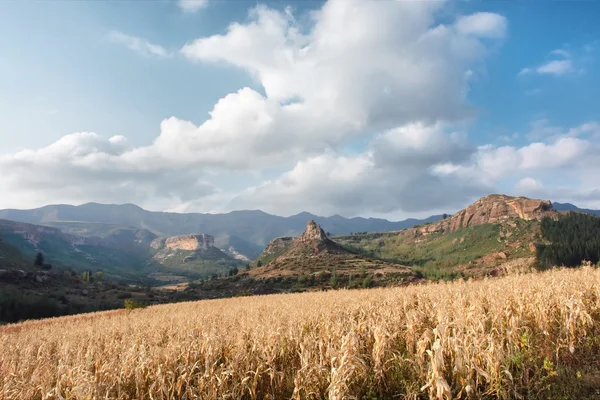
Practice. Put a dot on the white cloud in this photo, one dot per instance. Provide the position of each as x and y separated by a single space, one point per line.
483 24
354 67
529 185
561 63
377 72
392 173
139 45
556 67
563 157
192 6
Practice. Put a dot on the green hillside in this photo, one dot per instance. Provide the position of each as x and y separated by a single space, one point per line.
449 255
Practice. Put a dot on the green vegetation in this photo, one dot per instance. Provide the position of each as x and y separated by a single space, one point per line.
437 255
131 305
18 306
570 240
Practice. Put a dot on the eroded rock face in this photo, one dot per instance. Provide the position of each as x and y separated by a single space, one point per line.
184 242
313 233
489 210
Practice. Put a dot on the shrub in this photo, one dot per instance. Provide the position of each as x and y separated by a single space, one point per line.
130 304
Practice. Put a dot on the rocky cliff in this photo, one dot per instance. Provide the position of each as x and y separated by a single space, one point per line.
491 209
195 242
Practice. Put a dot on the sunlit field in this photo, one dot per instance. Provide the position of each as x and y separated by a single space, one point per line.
529 336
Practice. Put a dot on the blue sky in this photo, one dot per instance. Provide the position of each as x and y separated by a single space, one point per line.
507 103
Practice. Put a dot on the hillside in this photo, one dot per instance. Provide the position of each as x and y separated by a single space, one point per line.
119 254
491 236
519 337
30 292
315 258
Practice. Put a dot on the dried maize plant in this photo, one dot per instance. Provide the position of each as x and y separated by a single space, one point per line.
529 336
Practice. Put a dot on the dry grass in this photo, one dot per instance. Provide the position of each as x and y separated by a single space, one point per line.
529 336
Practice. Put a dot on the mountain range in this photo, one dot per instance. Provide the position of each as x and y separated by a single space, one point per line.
243 228
95 256
126 240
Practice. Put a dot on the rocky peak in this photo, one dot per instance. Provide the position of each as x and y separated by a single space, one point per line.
313 233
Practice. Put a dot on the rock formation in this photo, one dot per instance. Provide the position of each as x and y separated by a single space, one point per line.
195 242
311 243
313 233
489 210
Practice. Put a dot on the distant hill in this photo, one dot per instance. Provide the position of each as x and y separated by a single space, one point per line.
255 226
572 207
495 234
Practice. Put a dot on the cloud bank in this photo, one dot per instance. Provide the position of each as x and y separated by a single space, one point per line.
363 110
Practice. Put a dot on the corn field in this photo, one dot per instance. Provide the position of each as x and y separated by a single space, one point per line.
518 337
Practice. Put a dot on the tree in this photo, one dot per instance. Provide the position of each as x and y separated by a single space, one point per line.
445 216
259 263
39 259
333 281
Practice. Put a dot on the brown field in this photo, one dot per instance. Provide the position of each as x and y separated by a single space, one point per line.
526 337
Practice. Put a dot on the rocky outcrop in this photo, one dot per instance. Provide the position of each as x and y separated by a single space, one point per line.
195 242
490 210
312 233
311 243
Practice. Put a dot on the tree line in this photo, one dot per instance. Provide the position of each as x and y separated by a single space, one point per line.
573 238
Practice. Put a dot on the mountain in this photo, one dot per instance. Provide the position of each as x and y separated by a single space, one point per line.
572 207
29 291
123 253
255 226
316 258
119 255
492 235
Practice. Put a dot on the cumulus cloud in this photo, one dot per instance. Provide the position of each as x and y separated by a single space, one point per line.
139 45
570 157
384 73
354 67
392 173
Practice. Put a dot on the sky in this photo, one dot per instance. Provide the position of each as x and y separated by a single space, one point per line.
374 108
